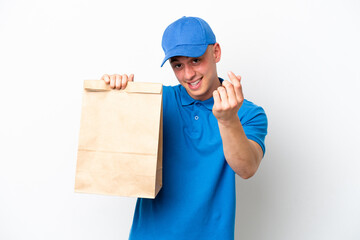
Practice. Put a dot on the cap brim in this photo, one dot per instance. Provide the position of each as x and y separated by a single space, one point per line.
186 51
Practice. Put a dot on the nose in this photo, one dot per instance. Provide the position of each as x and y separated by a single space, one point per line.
189 72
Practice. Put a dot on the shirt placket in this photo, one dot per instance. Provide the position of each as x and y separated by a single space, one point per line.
197 115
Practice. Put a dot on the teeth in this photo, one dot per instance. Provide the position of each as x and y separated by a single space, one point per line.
194 83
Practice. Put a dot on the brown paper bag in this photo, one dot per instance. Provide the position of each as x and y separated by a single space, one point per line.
120 141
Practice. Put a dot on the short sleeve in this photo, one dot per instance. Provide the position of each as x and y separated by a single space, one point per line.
254 122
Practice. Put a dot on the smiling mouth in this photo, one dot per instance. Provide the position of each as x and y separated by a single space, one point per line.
195 83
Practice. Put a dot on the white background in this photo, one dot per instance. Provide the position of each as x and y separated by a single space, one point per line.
299 59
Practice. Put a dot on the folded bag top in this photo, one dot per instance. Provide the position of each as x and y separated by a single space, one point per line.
131 87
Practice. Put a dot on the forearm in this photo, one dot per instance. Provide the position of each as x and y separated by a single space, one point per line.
243 155
240 152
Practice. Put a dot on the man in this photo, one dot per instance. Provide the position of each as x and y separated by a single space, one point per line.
210 133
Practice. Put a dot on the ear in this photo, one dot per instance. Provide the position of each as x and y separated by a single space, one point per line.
217 52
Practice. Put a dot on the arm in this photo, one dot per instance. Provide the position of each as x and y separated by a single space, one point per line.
243 155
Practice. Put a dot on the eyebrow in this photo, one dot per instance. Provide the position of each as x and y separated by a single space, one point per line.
173 59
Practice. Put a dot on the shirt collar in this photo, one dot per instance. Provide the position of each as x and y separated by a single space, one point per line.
187 100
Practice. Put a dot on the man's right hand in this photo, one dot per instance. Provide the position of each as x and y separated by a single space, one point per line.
117 81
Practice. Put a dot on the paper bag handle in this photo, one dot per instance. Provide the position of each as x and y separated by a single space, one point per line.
132 87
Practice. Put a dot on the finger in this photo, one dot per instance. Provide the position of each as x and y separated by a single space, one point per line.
118 81
239 93
112 81
106 78
131 78
230 93
217 100
124 81
223 97
238 90
236 80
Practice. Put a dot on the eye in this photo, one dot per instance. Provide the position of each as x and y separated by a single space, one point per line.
177 66
196 60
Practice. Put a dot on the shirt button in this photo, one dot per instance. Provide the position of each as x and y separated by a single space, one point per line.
197 104
196 117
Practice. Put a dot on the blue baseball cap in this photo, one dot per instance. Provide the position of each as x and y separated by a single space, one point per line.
187 36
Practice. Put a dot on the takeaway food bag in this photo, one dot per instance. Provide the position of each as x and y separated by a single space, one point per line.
120 140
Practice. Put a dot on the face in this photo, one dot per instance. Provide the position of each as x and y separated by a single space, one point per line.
198 75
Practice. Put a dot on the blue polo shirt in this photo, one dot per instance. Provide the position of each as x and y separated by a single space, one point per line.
197 200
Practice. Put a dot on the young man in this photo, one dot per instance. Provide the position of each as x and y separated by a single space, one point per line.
210 133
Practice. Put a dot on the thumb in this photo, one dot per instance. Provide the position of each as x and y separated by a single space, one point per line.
131 77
